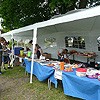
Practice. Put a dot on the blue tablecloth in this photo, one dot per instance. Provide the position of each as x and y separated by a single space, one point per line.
41 72
81 87
27 65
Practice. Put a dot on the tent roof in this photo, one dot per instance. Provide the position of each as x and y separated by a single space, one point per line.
86 18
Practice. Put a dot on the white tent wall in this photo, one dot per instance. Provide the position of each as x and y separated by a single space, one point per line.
23 35
87 28
93 43
90 40
52 50
60 40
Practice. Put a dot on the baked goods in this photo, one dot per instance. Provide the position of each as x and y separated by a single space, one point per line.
51 65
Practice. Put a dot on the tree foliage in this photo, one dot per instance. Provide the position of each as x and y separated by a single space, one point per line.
62 6
19 13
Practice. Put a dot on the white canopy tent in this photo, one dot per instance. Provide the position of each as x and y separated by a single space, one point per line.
87 20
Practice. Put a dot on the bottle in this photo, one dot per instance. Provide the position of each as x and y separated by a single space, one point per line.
61 65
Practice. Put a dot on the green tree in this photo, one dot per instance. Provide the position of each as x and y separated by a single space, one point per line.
62 6
19 13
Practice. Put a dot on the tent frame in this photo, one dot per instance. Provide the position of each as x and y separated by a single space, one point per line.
87 13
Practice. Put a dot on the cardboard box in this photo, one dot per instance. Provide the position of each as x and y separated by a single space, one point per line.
47 56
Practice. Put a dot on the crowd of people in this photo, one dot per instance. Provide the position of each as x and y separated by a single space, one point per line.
4 55
4 52
62 56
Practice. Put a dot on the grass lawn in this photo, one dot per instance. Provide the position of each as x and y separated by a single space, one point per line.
14 85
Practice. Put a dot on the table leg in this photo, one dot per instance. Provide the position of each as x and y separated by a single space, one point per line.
49 84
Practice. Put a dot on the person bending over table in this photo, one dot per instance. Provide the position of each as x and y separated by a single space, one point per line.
63 56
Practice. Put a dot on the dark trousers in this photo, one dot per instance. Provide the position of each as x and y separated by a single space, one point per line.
0 62
0 56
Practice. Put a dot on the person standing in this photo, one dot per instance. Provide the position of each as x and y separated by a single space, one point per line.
5 55
38 51
0 57
1 41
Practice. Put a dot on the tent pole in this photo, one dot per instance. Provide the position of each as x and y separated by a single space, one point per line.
34 42
0 32
12 49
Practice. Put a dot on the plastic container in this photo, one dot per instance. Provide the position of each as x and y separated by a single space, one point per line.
92 76
17 50
29 53
21 52
81 72
92 73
